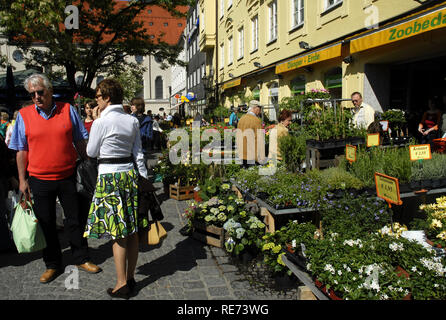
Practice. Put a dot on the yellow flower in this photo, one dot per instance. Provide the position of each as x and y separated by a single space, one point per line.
277 249
279 259
442 235
436 224
268 246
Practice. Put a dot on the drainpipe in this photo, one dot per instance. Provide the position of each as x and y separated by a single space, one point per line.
216 54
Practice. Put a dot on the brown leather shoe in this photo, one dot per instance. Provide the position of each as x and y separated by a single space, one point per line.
89 267
49 275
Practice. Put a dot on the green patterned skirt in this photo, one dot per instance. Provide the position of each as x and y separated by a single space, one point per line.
114 208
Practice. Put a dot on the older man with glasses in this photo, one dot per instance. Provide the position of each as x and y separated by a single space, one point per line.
364 114
46 136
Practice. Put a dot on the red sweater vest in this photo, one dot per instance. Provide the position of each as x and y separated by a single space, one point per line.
51 154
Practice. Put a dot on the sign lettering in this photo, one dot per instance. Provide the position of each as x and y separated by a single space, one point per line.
420 152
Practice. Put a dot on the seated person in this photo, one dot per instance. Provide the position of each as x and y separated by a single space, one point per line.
429 124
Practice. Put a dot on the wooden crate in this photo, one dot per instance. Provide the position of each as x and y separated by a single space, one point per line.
268 220
181 193
210 235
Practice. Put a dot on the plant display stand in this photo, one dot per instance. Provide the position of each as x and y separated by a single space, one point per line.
181 193
268 220
210 235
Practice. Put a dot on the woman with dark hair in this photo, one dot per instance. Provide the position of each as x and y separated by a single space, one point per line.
277 132
88 121
429 124
115 141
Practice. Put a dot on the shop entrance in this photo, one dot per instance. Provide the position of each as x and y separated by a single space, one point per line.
413 84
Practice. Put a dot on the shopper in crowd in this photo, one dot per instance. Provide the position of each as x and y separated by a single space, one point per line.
11 127
46 136
145 123
4 124
364 114
233 119
280 130
250 139
88 121
115 141
7 182
429 124
157 133
127 108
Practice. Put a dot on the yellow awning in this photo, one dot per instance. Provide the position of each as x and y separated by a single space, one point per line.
232 83
316 56
405 28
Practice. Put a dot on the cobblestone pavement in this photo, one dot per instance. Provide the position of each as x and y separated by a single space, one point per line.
179 268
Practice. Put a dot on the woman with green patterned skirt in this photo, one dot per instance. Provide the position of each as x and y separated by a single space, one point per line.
115 140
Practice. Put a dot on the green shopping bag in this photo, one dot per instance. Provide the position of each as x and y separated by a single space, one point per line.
26 231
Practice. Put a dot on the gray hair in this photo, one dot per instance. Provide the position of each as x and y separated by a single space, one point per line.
37 79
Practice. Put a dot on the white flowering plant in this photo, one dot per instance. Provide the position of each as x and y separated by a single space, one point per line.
243 230
354 271
216 211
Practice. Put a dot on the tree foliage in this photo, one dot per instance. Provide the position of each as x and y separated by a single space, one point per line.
109 32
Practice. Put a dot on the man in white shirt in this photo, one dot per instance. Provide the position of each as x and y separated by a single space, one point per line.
364 114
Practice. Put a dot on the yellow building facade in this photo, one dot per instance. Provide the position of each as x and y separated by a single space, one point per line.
271 49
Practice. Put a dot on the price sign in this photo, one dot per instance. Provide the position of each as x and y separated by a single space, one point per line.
373 140
420 152
387 188
226 120
350 153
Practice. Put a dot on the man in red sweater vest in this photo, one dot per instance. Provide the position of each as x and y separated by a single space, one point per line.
46 136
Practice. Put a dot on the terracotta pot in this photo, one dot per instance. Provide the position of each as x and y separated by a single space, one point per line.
197 196
434 244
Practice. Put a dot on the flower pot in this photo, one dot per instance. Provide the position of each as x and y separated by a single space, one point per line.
197 196
427 183
262 195
405 188
433 244
415 185
436 183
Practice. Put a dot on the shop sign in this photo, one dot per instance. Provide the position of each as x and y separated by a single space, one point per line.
231 84
420 152
311 58
387 188
373 140
415 26
350 153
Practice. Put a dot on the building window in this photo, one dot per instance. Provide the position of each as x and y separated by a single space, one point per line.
255 33
230 50
241 42
150 23
333 82
298 85
298 12
149 11
166 24
331 3
272 21
222 56
222 8
159 87
180 24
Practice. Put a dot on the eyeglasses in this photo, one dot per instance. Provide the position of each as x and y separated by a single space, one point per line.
39 92
355 100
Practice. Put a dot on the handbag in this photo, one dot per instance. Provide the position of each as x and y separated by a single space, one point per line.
86 177
156 233
27 233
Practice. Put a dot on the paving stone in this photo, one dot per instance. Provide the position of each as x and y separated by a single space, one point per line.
193 285
218 291
214 281
196 295
228 268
